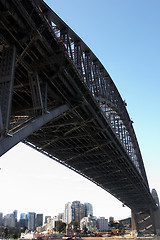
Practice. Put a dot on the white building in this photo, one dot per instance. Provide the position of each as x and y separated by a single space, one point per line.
88 224
75 211
50 224
61 216
67 213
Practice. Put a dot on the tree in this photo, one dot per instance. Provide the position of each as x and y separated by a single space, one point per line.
5 232
61 227
75 225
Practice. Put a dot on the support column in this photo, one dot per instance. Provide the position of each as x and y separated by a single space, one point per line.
133 223
145 222
156 216
7 69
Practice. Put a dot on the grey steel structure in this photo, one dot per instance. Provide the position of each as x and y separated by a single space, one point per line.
57 97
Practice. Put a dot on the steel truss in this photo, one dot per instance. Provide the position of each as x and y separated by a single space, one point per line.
106 94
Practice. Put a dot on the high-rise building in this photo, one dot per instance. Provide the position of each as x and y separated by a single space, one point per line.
9 220
1 218
111 220
22 216
39 219
31 221
15 213
22 223
88 209
67 213
75 211
102 224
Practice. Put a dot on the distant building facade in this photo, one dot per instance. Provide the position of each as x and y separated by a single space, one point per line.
22 216
1 219
88 224
9 220
15 213
67 213
61 216
75 211
31 221
39 220
50 224
88 209
23 221
126 222
111 220
46 217
102 224
78 211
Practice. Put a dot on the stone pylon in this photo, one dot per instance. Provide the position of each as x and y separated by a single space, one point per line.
146 221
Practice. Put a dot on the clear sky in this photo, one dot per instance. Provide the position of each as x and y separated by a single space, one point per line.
125 36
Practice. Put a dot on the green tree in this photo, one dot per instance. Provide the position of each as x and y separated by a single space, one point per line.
75 225
5 232
61 227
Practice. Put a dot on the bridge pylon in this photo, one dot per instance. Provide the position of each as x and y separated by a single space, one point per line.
147 220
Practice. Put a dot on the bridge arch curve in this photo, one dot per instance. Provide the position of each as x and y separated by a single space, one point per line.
102 87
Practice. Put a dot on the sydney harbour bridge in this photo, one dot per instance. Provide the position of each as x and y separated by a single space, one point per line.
57 97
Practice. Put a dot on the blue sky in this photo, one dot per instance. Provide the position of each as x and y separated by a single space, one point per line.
125 36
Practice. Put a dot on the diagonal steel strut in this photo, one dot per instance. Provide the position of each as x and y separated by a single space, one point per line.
9 141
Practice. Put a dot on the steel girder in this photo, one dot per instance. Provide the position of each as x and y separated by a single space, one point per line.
33 125
6 87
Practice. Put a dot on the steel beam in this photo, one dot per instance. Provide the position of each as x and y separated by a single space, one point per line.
10 141
37 99
7 69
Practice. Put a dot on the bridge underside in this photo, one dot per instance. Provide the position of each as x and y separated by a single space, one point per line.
87 145
45 103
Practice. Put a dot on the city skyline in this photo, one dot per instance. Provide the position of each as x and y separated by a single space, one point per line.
125 37
21 215
76 212
37 184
